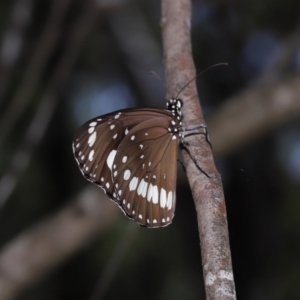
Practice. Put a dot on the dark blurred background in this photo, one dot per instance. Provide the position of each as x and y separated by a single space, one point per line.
63 62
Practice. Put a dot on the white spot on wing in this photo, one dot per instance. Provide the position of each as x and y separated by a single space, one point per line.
144 191
163 198
155 194
132 138
92 138
110 158
169 201
150 192
117 115
107 185
112 127
91 155
93 124
91 129
133 183
140 216
115 173
126 131
142 188
124 159
154 221
128 205
127 174
115 136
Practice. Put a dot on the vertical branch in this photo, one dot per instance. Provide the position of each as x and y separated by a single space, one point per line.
207 192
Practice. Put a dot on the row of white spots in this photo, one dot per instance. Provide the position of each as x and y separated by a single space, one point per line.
154 221
144 188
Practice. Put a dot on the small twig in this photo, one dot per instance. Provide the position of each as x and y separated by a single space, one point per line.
207 192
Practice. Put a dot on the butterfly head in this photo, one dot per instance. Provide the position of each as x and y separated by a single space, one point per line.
175 105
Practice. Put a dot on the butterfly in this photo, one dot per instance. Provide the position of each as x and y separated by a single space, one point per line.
132 155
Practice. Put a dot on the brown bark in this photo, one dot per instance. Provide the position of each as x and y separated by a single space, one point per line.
207 192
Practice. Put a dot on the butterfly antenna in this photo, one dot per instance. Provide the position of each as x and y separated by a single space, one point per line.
156 75
210 67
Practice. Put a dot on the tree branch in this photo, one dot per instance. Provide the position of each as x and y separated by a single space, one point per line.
207 192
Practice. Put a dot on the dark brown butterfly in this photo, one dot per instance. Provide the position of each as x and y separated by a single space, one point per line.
132 155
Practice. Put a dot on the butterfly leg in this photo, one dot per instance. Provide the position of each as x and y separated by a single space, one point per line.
193 133
184 169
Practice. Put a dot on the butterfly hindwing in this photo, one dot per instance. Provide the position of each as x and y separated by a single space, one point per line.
145 173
